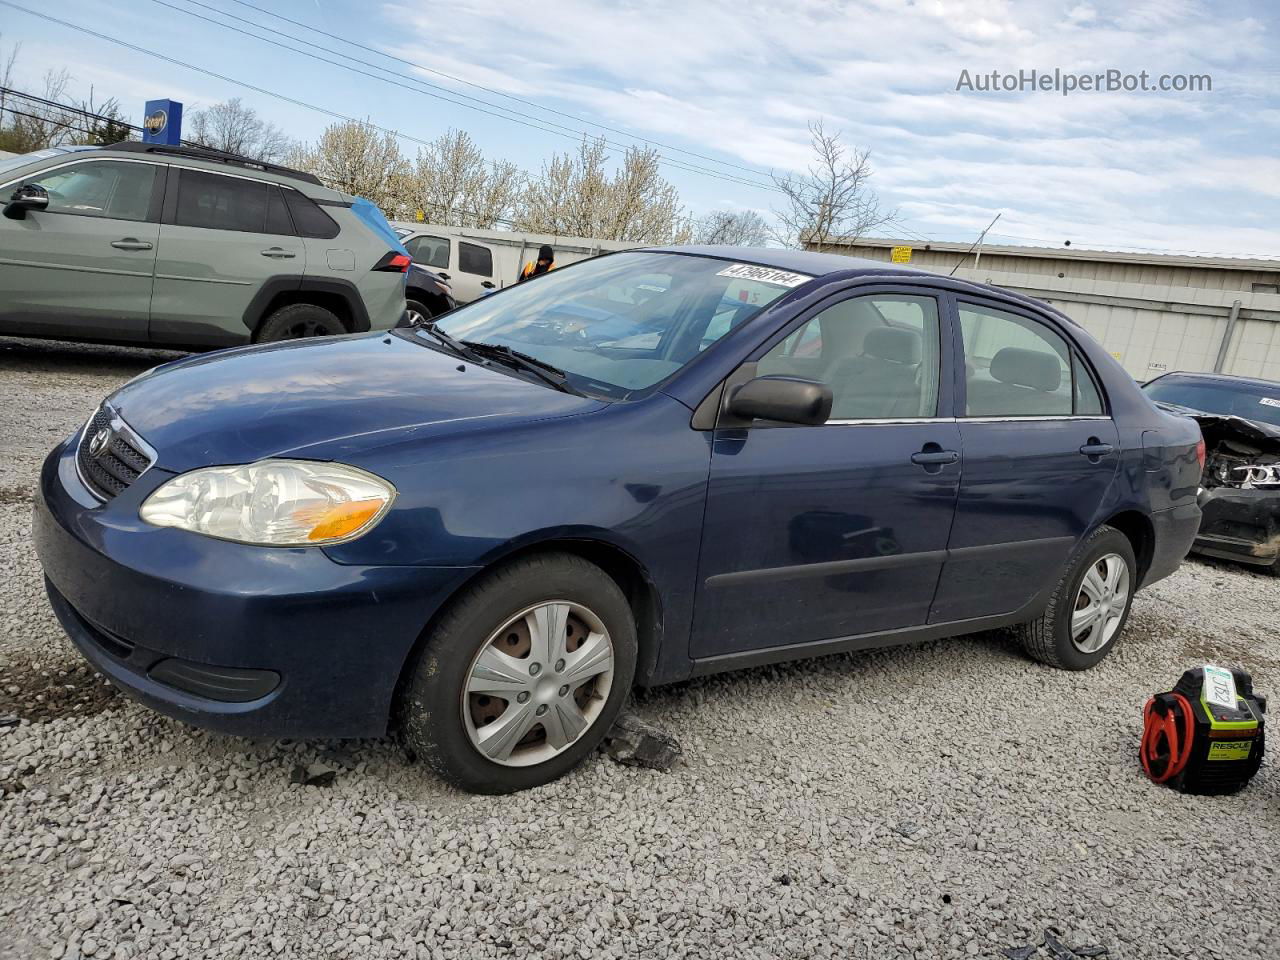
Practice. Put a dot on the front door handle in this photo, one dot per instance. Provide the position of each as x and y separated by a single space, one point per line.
131 243
443 276
929 457
279 253
1095 449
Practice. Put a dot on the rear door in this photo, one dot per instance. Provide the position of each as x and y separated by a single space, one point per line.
223 238
472 276
83 267
820 532
1040 452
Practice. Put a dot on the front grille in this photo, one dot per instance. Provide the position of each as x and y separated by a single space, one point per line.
109 467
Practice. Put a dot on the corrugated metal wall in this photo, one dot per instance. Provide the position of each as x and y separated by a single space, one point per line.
1151 317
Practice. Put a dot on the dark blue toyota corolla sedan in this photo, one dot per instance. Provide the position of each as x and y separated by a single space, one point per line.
637 469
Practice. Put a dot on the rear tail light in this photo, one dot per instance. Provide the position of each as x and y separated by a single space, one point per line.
1200 453
393 262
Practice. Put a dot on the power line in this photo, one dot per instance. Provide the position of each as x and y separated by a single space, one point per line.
481 106
480 86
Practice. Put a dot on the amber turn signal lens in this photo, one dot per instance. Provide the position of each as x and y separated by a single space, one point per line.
340 520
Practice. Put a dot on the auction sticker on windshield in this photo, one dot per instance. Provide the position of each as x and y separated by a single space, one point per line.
751 271
1268 401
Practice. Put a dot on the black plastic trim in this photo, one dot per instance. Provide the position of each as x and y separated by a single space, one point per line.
223 684
272 287
214 156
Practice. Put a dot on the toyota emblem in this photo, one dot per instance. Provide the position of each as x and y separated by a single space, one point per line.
101 440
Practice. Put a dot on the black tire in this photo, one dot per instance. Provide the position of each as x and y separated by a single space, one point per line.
419 308
1048 637
299 320
430 707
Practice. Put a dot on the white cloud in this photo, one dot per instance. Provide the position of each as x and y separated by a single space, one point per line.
741 80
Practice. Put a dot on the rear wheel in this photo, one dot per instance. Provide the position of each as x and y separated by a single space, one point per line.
523 675
297 321
1089 608
418 312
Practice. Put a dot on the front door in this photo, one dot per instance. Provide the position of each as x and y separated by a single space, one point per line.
819 532
83 267
224 238
1039 454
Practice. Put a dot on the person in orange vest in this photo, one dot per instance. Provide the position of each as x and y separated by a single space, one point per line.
546 261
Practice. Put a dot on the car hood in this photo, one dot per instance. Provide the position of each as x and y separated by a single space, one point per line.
242 405
1220 426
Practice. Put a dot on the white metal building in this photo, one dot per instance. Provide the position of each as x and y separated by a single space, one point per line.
1154 312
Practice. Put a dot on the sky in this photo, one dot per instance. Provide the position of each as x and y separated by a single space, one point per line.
727 89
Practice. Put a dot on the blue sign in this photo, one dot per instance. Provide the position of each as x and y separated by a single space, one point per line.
162 123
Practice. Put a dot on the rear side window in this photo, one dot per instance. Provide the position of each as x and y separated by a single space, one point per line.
308 218
429 251
278 219
221 203
474 259
1017 367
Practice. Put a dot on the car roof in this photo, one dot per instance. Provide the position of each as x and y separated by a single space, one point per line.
1221 378
796 261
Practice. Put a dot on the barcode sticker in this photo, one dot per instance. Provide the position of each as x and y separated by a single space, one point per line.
750 271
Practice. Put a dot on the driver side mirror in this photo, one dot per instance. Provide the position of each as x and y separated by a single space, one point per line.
785 399
29 196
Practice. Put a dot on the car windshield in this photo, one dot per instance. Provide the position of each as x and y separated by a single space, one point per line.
1248 401
621 323
22 159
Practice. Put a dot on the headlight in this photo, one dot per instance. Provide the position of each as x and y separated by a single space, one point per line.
279 503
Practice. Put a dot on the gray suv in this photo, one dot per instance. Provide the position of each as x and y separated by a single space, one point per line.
179 247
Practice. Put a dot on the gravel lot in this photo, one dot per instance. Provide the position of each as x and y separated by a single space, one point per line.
945 800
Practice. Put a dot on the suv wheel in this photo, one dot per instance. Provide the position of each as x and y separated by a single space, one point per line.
1090 606
299 320
522 677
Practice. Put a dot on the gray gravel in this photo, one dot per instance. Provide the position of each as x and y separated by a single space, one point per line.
944 800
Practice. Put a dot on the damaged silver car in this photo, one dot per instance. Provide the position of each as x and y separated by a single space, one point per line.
1240 487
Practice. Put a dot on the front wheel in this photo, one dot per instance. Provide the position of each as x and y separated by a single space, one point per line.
523 675
1090 606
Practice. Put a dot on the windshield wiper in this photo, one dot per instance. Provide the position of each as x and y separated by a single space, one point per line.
544 371
457 346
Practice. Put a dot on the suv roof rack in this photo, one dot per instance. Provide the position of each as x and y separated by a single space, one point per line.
215 156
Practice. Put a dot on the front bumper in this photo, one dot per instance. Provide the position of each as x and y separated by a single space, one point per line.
1241 525
255 641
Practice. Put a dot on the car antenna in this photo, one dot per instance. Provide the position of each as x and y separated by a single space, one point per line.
977 243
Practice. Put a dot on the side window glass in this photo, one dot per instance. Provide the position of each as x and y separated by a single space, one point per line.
1014 367
876 370
100 188
1088 402
474 259
278 219
429 251
221 203
308 218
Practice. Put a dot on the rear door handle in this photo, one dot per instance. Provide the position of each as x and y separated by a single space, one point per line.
444 276
487 284
1095 449
279 253
131 243
929 457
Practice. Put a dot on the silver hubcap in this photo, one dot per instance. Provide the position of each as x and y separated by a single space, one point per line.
538 684
415 318
1101 603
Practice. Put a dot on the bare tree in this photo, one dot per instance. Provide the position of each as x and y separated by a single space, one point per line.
737 228
358 158
35 125
103 122
576 196
832 201
453 185
233 127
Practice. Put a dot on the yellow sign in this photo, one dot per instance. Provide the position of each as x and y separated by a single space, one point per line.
900 255
420 216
